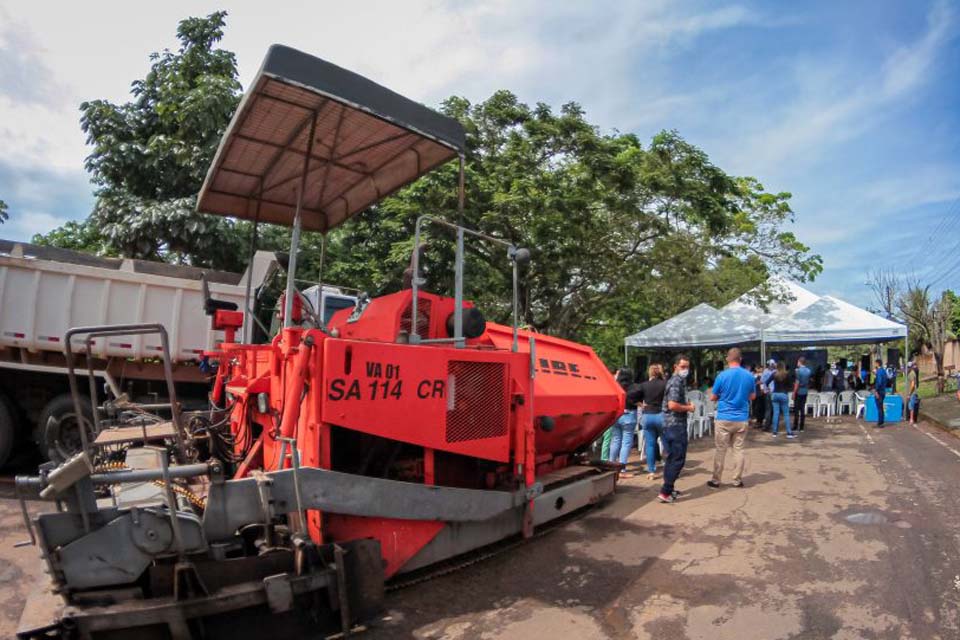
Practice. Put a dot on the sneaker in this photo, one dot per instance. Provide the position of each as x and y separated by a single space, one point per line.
773 435
790 436
664 498
713 485
676 494
738 484
651 476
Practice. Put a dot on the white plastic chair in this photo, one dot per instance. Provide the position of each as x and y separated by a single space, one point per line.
861 404
694 396
827 403
709 415
813 399
701 423
847 399
693 417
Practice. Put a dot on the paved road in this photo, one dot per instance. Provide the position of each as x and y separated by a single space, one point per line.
843 534
847 533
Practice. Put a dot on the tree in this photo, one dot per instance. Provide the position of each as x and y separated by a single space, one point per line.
955 316
622 236
78 236
150 156
930 320
4 216
886 287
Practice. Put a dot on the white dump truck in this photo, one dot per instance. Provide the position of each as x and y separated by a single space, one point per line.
45 291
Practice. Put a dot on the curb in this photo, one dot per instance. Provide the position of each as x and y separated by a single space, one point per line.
953 431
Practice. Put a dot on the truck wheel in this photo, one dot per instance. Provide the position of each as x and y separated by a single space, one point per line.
8 429
59 430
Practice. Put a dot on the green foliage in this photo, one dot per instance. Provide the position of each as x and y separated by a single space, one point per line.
150 155
78 236
623 235
4 216
954 302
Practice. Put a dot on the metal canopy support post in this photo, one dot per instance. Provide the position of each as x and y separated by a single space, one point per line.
458 293
458 266
516 304
295 233
323 256
247 311
414 282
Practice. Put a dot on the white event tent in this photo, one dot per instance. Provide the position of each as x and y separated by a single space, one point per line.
805 319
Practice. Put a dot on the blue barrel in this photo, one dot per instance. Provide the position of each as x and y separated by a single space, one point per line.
892 408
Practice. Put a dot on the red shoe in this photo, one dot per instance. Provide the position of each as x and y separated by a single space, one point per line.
664 498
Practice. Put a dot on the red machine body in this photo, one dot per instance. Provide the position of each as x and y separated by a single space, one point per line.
366 403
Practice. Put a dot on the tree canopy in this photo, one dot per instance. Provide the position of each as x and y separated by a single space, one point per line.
4 216
623 234
150 155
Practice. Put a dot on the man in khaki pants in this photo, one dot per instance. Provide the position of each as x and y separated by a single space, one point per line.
733 391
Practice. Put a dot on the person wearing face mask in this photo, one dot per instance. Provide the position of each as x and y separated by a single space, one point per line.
675 410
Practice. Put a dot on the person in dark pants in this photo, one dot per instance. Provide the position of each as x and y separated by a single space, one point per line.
800 389
765 378
913 404
880 391
759 404
675 410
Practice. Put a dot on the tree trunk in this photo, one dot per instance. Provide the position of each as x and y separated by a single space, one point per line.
941 382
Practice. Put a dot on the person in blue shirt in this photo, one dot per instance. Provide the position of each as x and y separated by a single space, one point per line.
880 383
800 389
733 391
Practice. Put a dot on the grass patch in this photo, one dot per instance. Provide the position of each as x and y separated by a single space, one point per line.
928 388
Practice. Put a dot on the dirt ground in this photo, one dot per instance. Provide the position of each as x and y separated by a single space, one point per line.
845 533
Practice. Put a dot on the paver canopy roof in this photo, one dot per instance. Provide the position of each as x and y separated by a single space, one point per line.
367 142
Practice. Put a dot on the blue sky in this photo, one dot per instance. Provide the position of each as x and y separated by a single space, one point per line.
851 106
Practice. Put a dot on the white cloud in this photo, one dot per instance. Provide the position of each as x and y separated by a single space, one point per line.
919 186
832 107
783 120
23 225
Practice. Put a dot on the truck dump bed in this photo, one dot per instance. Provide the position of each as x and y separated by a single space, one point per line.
44 291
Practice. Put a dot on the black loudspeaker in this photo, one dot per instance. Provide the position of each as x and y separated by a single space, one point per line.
640 364
893 357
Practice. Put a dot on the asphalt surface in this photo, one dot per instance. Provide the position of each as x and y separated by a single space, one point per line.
845 533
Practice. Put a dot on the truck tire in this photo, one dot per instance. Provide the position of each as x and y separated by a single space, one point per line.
8 429
58 428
